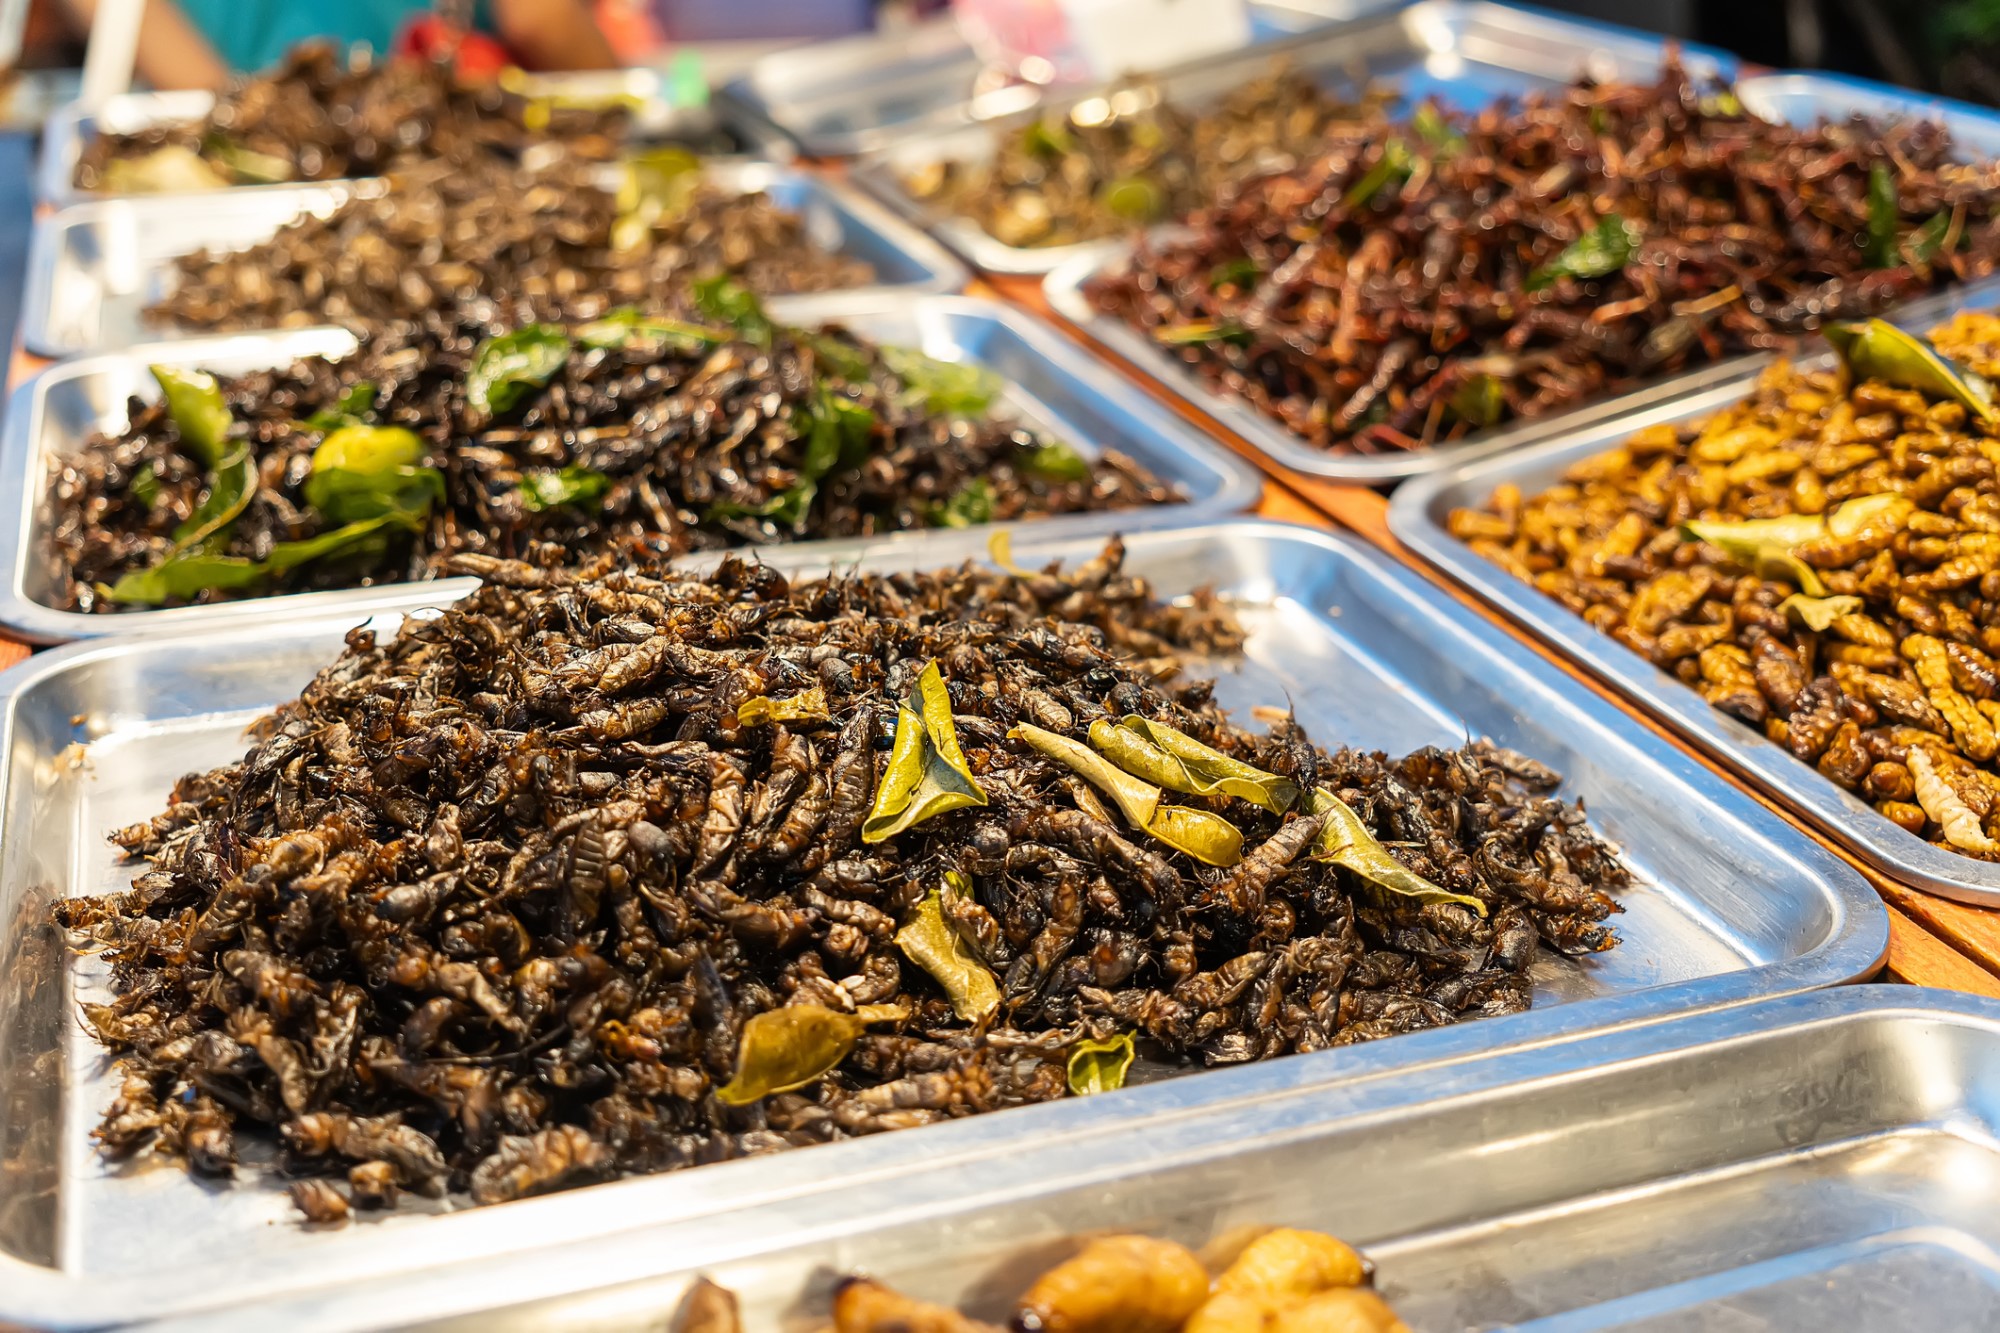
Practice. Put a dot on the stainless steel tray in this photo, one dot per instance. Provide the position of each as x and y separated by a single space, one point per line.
1465 54
1819 1162
72 126
1073 397
856 94
94 268
1732 905
1418 513
1797 98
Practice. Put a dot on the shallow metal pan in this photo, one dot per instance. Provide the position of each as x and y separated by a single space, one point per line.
1465 54
1732 905
1073 397
1819 1162
1795 98
1418 514
94 268
857 94
70 127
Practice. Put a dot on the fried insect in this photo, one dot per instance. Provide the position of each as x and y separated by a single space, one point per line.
1118 1284
1892 653
549 905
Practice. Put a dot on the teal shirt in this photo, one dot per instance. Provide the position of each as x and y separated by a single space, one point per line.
255 34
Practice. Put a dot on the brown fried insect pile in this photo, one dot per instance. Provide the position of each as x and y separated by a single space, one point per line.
1406 289
1896 693
491 905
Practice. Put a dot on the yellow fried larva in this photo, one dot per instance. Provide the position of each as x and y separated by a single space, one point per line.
1339 1310
1960 826
865 1306
1230 1312
1118 1284
1286 1262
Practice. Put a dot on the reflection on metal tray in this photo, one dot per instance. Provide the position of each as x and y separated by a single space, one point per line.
854 95
1072 397
1464 54
96 267
1795 98
1418 515
1731 905
654 120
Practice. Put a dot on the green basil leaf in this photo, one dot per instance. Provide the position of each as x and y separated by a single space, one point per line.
724 300
506 370
783 1049
1927 241
1170 758
1877 349
945 388
1100 1066
1599 252
929 941
1345 840
571 485
198 411
970 505
1055 461
1884 211
927 773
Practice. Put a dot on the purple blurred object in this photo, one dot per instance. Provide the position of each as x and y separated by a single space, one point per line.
756 20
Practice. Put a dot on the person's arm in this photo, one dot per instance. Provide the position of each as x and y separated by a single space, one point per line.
172 51
552 34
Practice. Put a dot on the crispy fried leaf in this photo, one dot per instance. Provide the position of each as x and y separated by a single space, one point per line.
1817 613
1599 252
145 485
723 300
1240 272
1877 349
1346 841
1134 199
199 413
927 773
249 166
1763 546
169 170
1927 241
351 409
838 356
946 388
1436 131
1000 550
229 491
1883 213
367 472
1479 401
1177 761
570 485
1100 1066
929 941
1392 166
182 577
509 368
627 327
1055 461
1200 332
809 706
787 1048
1202 835
969 505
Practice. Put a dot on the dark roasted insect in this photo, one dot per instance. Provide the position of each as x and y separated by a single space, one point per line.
496 943
1408 286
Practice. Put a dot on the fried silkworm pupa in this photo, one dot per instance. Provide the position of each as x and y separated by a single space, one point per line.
708 1308
1117 1284
863 1305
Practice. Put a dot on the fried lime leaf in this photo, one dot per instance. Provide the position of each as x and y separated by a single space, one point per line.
570 485
350 409
361 473
1202 835
809 706
1241 272
969 505
1927 241
1170 758
249 166
1346 841
1817 613
838 356
173 169
180 578
1763 546
1392 166
509 368
1883 213
1865 511
927 773
1134 199
1437 132
787 1048
1000 550
145 485
1055 461
627 327
1479 401
1200 333
929 941
1877 349
1599 252
946 388
229 491
1100 1066
723 300
199 413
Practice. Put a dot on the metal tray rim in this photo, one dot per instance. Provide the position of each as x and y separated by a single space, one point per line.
1417 519
1236 485
1855 942
940 271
